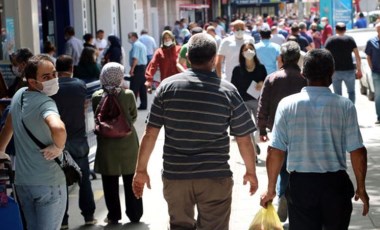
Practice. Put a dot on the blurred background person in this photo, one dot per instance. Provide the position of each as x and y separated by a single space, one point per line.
70 101
114 51
49 49
87 69
149 43
164 59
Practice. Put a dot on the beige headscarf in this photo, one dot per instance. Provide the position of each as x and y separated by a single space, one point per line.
111 77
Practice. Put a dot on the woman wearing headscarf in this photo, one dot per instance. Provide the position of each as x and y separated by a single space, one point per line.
114 51
165 59
117 157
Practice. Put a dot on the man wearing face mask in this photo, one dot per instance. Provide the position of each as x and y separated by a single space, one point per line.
327 30
164 58
37 174
228 52
18 60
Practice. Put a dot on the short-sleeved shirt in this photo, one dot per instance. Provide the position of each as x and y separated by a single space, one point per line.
267 53
138 51
70 101
149 43
341 47
197 109
373 50
230 48
31 167
326 31
317 128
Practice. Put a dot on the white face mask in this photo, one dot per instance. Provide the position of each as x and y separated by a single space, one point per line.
50 87
168 43
249 54
323 24
239 34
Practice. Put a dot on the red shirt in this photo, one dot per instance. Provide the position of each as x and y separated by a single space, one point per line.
165 59
326 33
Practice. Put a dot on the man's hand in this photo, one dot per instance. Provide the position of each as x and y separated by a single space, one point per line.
131 72
363 196
138 183
51 152
359 74
252 179
267 197
264 138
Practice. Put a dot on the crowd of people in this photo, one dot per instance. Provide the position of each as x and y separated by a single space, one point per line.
256 74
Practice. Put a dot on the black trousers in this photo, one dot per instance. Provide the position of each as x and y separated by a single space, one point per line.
134 207
138 85
319 201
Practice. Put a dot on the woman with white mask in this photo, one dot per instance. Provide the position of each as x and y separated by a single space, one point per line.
164 58
248 77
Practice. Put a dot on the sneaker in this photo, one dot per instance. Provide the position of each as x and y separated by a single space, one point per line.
108 221
64 227
282 210
91 222
377 123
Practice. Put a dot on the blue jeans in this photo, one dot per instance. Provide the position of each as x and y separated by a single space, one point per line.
43 205
283 179
348 77
376 83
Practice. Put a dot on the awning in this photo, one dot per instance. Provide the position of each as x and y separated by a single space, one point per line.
193 6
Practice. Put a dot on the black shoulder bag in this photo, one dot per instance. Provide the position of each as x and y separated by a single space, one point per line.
72 171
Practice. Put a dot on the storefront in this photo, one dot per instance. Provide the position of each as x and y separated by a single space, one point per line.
256 7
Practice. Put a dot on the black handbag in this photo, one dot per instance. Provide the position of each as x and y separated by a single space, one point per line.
71 169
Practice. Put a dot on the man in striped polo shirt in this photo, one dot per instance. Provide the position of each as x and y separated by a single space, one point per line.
317 128
196 109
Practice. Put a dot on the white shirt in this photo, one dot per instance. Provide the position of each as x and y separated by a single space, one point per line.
230 48
100 44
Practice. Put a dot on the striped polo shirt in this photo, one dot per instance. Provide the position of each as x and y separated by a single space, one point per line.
197 109
318 128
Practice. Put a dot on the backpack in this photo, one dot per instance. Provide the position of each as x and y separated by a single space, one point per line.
110 121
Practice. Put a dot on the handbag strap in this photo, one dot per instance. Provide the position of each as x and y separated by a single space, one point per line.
36 141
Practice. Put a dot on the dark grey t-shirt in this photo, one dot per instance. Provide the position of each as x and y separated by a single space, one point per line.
341 48
197 109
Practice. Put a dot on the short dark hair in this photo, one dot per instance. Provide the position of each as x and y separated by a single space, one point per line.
99 31
22 55
196 30
265 33
133 34
87 56
48 47
340 26
143 31
31 68
87 37
201 48
64 63
69 30
318 64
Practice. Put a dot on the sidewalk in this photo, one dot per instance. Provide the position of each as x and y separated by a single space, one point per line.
244 207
